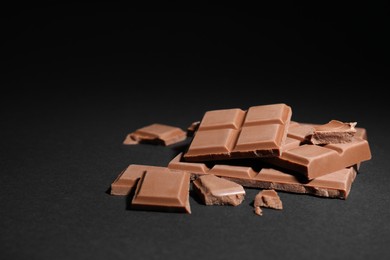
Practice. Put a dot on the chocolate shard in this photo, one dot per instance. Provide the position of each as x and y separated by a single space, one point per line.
234 133
217 191
156 134
334 132
267 199
161 190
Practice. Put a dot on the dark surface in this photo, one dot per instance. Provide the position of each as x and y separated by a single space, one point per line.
109 72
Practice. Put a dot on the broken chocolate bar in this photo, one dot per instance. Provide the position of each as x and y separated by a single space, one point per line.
334 132
217 191
312 160
335 184
128 178
233 133
156 134
161 190
268 199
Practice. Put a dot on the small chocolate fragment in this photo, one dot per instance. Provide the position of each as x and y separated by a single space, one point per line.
156 134
234 133
192 128
334 132
217 191
161 190
258 211
268 199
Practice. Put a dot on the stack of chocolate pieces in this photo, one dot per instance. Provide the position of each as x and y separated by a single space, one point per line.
255 148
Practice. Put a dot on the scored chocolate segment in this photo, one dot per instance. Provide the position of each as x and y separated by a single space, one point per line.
261 137
219 141
298 135
221 119
233 172
335 184
160 190
268 114
128 178
234 133
312 160
193 168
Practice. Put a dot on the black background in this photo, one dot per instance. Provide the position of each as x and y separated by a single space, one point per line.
78 78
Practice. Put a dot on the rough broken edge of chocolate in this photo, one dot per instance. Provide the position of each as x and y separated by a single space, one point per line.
209 198
341 132
312 161
300 188
267 199
199 169
360 132
258 211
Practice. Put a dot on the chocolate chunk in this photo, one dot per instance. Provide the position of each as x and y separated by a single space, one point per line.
268 199
334 132
161 190
156 134
313 161
258 211
217 191
233 133
335 184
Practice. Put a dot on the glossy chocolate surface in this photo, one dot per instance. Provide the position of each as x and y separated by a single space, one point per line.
234 133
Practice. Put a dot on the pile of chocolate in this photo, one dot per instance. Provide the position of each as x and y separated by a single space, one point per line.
256 148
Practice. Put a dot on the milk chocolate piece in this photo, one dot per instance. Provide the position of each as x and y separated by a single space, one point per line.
267 199
161 190
258 211
334 132
335 184
291 143
156 134
128 178
312 160
217 191
233 133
